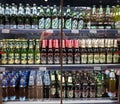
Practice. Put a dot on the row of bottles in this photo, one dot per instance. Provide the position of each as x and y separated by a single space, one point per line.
30 85
84 51
39 17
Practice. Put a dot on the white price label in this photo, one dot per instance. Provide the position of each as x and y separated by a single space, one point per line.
42 68
93 31
2 69
118 31
97 68
5 31
49 31
75 31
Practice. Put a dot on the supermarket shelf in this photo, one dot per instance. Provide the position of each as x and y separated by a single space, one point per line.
66 66
83 101
35 33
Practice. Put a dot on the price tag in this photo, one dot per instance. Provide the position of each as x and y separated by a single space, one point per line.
97 68
5 31
75 31
42 68
49 31
93 31
2 69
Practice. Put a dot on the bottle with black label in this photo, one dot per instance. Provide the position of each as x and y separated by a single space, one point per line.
43 55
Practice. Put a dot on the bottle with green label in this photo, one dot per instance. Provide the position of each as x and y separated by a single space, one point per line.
30 53
34 17
59 16
55 21
41 18
75 19
68 18
48 18
27 17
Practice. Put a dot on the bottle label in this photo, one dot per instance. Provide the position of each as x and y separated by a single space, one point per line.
13 26
52 77
7 26
68 23
74 24
109 58
4 58
90 58
70 59
96 58
55 23
43 58
30 58
41 23
23 58
34 26
17 58
56 59
47 23
84 58
85 91
102 58
20 26
10 58
115 58
99 90
76 59
60 23
53 91
80 24
1 26
117 25
37 58
27 26
70 93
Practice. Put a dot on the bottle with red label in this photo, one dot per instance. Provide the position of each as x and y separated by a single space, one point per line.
69 51
76 52
50 52
44 52
56 51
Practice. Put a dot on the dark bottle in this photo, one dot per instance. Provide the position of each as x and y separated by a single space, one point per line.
69 51
75 19
56 52
81 20
83 52
52 84
50 52
27 17
13 17
1 16
30 52
89 51
46 81
68 19
43 54
41 18
55 21
48 18
76 52
7 17
37 52
20 17
102 51
70 93
34 17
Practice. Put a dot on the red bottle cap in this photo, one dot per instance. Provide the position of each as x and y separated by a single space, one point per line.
44 43
50 43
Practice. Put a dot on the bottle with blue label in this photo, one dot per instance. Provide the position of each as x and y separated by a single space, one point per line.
41 18
48 18
55 18
46 81
68 18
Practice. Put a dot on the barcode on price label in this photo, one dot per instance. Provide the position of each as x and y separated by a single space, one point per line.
42 68
2 69
97 68
93 31
5 31
75 31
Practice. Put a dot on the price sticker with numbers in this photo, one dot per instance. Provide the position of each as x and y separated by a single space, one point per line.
42 68
5 31
97 68
75 31
93 31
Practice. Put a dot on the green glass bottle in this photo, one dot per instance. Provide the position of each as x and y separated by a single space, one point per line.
75 19
55 18
48 18
80 20
41 18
